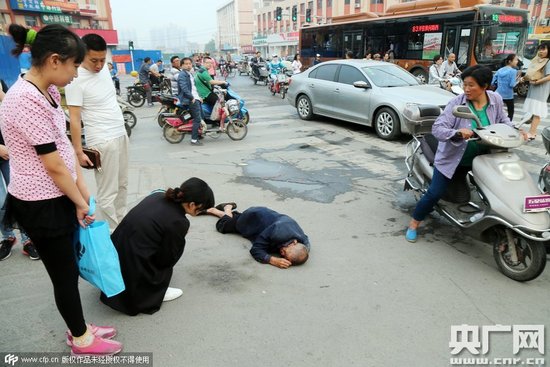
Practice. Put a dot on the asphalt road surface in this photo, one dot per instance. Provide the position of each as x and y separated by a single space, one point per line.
366 297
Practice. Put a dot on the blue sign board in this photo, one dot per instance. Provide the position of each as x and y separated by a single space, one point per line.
34 5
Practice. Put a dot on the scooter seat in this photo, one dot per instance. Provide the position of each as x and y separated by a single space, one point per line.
428 146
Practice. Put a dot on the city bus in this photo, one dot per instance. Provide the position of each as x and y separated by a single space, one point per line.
414 32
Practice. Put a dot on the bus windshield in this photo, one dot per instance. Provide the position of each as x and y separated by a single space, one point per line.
389 76
496 44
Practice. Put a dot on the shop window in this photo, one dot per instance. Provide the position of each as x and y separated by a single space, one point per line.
31 21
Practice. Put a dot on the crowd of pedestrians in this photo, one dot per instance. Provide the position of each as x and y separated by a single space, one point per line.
47 196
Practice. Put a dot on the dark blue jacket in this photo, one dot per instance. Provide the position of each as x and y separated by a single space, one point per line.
268 231
185 94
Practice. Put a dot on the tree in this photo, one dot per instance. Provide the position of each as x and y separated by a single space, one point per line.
210 46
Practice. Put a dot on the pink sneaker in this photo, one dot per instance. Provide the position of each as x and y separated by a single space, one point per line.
99 347
105 332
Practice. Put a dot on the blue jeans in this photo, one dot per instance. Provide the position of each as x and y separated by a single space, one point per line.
6 232
195 110
431 197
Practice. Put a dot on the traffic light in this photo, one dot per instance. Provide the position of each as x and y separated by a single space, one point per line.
308 15
131 45
295 13
279 13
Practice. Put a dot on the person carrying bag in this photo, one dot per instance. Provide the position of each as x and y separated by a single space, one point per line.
97 257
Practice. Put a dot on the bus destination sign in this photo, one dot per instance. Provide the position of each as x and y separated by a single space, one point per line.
510 19
425 28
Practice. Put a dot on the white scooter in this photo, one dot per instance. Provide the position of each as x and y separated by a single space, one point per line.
490 201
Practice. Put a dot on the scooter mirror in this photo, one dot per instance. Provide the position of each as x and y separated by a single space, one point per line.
464 112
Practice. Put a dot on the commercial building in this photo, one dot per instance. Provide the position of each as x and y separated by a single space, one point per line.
235 27
273 36
81 16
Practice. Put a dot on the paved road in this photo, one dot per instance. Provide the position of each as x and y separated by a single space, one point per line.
366 297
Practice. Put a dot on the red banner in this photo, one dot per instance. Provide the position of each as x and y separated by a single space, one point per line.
122 58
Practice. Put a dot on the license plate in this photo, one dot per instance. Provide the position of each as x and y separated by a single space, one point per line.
187 116
538 203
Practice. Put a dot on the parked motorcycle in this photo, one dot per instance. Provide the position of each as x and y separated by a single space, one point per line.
280 84
137 95
222 118
130 119
486 202
259 73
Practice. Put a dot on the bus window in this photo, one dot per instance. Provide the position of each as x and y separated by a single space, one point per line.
494 44
463 47
450 41
414 46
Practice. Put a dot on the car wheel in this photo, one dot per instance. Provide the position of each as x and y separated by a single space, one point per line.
421 75
304 108
522 89
386 124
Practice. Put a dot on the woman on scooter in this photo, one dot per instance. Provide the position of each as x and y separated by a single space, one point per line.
454 150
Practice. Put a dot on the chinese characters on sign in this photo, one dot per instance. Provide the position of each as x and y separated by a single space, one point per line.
34 5
511 19
523 337
425 28
57 19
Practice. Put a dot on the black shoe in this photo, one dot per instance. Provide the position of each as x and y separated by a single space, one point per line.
5 248
223 205
30 251
196 142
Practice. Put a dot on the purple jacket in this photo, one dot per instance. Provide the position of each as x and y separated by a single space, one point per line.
449 153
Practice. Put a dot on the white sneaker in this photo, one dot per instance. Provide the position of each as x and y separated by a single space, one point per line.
171 294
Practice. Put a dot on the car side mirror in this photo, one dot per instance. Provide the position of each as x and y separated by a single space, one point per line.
361 84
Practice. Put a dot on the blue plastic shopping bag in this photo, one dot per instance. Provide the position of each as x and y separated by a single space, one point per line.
97 257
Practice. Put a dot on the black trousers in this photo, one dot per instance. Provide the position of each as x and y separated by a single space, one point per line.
58 256
510 106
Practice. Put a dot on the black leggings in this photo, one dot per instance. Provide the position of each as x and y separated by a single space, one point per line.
510 106
58 256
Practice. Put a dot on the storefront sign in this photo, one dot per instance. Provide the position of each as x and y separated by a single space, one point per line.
259 41
37 6
248 49
56 19
65 5
290 38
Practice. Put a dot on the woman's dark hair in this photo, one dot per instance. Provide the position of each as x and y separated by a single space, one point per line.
193 190
481 74
296 57
437 57
52 39
545 45
94 42
508 59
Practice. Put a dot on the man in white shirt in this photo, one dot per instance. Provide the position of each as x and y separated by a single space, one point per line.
174 73
449 67
91 98
188 96
154 72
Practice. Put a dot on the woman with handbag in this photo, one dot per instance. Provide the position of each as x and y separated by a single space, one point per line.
47 195
150 240
538 75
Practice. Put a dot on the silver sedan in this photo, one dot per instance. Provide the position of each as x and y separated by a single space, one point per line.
372 93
